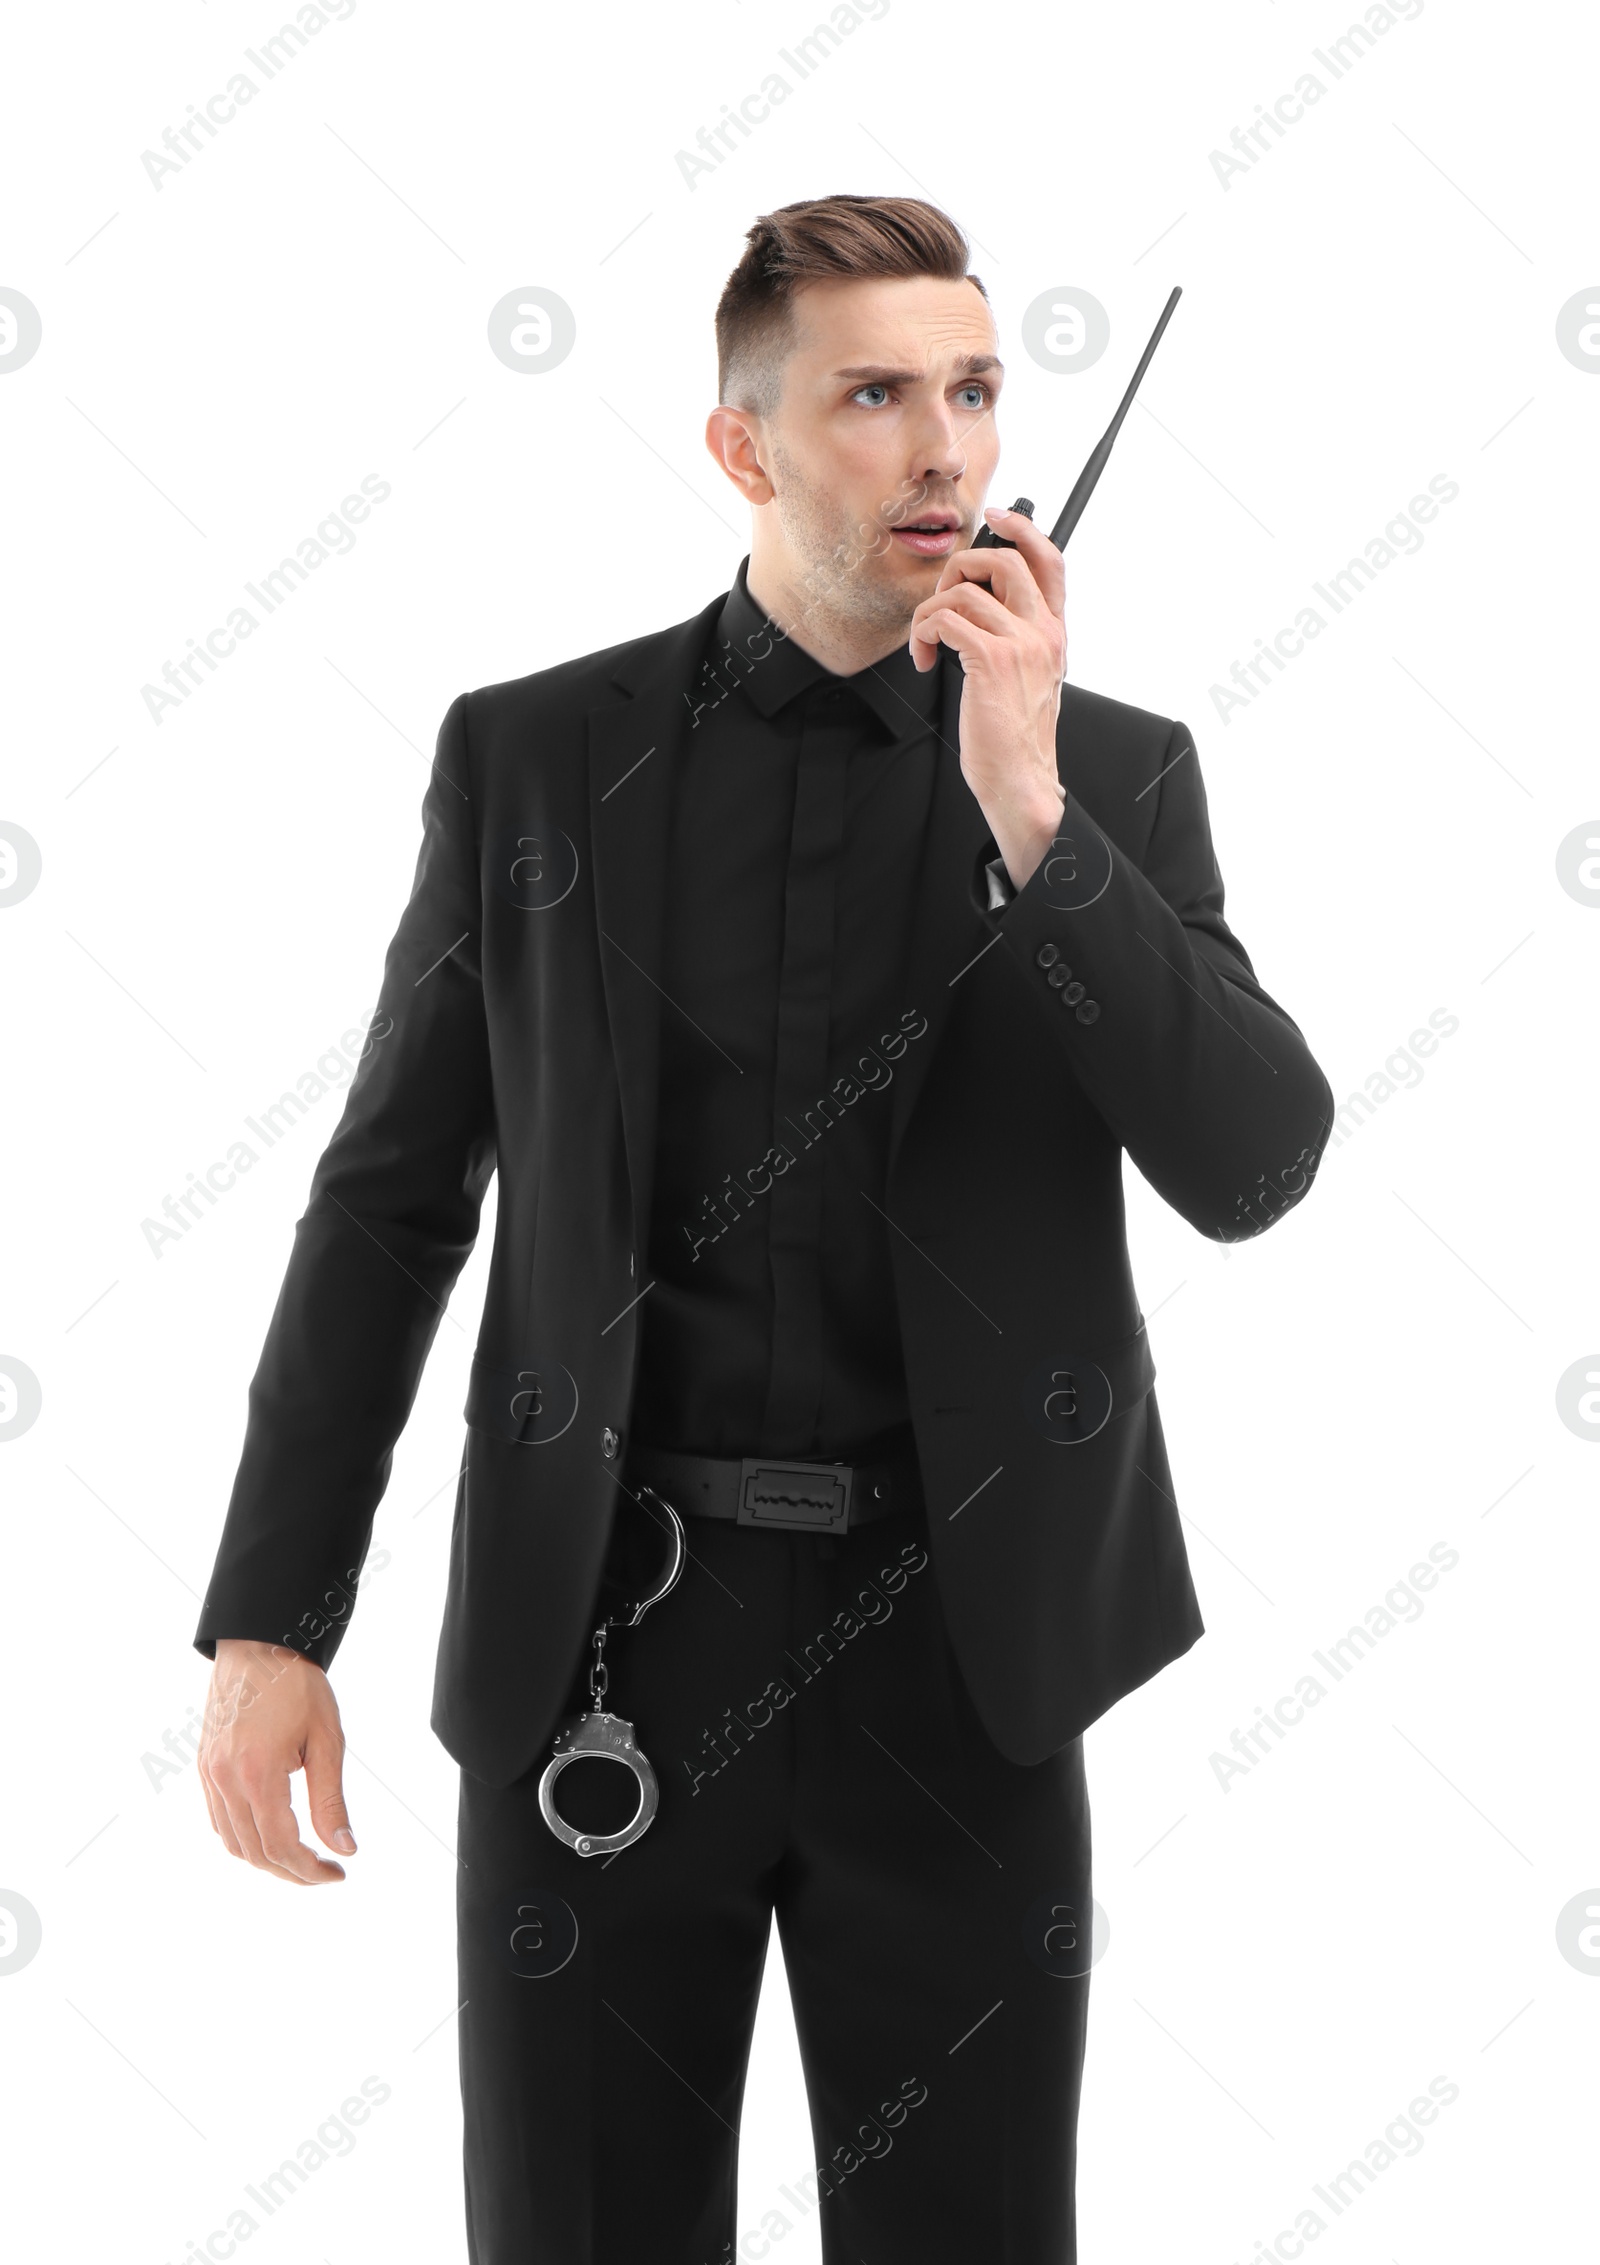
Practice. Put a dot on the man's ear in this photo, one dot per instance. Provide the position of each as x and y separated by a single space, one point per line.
734 438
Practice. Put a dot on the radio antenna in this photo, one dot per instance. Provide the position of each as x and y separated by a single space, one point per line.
1072 509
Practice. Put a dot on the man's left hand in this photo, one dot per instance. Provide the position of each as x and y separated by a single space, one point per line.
1012 640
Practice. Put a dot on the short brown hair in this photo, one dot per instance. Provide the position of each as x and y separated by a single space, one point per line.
804 243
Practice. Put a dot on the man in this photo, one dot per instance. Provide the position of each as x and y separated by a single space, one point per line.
805 968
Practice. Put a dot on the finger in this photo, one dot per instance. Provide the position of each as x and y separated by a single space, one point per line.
1049 567
325 1790
971 600
247 1841
241 1797
220 1822
241 1816
281 1843
1007 573
211 1799
953 629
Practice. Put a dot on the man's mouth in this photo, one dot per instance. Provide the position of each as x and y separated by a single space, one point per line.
934 535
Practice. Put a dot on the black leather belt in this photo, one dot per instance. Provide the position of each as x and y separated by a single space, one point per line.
768 1490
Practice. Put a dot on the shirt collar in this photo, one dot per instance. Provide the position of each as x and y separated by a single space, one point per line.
904 700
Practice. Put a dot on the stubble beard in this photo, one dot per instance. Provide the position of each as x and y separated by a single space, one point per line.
841 587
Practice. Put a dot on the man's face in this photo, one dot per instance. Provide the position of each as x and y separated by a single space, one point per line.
885 426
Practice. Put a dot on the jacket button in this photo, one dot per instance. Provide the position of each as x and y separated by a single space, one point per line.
1058 975
1072 994
1089 1010
608 1442
1046 955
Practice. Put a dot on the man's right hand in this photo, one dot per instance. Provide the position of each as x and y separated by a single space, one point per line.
269 1712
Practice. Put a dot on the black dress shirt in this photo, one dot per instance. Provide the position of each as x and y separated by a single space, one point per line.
769 1324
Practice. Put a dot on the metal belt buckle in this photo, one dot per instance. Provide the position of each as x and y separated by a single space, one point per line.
798 1497
596 1732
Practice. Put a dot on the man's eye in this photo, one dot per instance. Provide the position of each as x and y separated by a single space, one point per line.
982 392
873 387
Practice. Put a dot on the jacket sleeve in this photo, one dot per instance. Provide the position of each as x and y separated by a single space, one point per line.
1207 1083
390 1220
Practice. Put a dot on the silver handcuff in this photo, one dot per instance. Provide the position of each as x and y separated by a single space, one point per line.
607 1737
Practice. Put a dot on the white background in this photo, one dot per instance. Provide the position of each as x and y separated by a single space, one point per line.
1292 1956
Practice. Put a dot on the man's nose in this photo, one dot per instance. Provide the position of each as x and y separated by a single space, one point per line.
943 458
939 452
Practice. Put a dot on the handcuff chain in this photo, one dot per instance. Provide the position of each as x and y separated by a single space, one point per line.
599 1732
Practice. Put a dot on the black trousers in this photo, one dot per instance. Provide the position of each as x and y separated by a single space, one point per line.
818 1758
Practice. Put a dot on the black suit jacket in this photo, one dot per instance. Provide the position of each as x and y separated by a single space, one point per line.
518 1025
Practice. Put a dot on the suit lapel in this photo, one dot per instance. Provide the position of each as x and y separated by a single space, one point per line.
633 754
947 931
